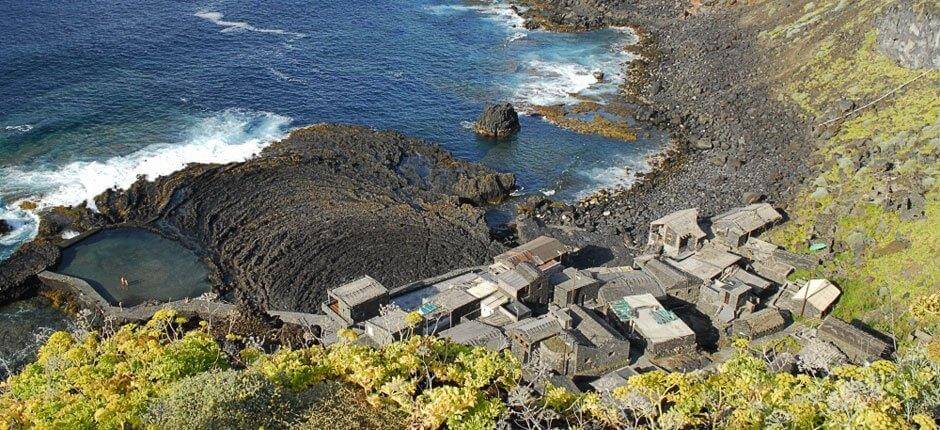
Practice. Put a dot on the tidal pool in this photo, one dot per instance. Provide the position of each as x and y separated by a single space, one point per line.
155 268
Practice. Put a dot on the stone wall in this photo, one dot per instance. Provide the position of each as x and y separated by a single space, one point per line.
909 33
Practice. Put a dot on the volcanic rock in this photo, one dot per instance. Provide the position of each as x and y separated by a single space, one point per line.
498 121
328 204
17 272
907 33
5 227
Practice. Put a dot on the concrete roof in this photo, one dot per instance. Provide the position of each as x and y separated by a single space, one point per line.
745 277
645 308
573 279
359 291
613 380
848 337
707 263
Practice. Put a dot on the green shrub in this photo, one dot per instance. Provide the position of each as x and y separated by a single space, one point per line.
226 399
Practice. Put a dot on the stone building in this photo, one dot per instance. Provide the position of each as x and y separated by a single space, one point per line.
524 282
526 335
573 286
356 301
540 251
762 323
585 346
734 227
707 263
447 308
724 301
678 233
661 330
860 347
813 299
675 283
390 326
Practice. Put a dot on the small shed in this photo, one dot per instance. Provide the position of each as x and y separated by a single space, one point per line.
356 301
538 251
814 298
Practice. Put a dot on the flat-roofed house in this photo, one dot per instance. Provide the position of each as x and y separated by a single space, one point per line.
356 301
707 263
475 333
737 225
573 286
630 284
724 301
678 233
662 331
814 298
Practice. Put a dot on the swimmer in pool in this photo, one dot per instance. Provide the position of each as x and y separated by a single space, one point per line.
124 282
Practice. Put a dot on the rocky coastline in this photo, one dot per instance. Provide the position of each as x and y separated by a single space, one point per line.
699 77
324 205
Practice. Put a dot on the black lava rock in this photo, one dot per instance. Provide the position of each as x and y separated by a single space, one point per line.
498 121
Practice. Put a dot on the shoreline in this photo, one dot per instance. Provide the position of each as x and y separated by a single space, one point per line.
707 164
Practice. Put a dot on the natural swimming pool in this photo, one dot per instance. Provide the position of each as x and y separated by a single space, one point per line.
155 268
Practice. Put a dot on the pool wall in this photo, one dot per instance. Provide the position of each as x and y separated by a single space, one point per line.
202 307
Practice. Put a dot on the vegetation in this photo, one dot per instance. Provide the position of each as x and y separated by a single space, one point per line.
868 162
160 375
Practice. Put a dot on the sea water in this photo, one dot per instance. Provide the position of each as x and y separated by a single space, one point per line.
95 94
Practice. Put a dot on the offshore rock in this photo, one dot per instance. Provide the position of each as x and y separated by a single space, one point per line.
5 227
498 121
328 204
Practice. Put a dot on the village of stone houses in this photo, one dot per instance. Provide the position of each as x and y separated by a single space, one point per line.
699 284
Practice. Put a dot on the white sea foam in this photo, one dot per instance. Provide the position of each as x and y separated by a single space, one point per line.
231 135
24 224
497 11
232 26
18 128
548 83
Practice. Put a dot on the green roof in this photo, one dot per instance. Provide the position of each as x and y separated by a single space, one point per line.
664 316
622 309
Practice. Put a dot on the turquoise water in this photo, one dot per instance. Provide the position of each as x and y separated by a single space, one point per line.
155 268
94 94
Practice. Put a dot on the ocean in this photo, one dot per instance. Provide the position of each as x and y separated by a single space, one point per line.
95 94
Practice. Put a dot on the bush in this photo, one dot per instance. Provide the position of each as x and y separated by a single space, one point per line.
226 399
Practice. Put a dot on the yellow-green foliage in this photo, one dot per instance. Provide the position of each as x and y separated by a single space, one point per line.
154 376
838 58
89 382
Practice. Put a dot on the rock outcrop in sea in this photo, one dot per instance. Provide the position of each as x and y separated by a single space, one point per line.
327 204
498 121
4 227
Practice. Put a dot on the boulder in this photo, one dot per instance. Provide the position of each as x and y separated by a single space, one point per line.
5 227
599 75
498 121
490 188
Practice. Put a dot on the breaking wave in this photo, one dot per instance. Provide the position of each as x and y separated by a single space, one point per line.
232 26
229 136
